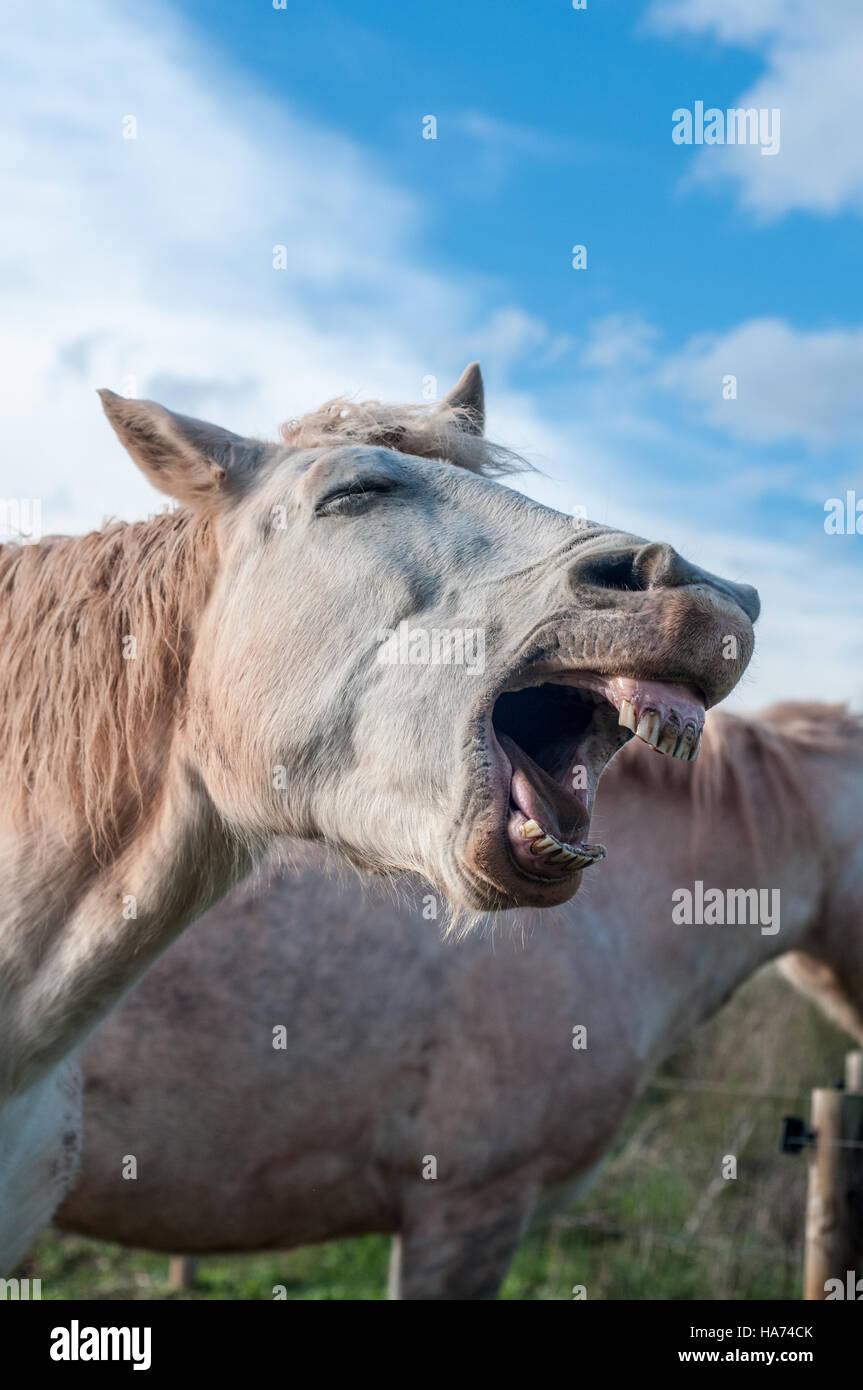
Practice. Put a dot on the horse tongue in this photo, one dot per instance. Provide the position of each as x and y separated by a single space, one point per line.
539 797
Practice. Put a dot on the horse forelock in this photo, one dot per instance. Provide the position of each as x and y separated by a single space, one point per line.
439 431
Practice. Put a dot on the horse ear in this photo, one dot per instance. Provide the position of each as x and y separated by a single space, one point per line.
469 394
196 463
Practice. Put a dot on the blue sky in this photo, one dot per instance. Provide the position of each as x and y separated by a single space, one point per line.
577 112
148 262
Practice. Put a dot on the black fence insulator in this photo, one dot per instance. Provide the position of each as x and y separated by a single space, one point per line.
795 1135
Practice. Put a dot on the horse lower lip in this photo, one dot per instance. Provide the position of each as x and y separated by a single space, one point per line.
537 850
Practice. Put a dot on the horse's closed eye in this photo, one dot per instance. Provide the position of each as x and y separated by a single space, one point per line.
354 497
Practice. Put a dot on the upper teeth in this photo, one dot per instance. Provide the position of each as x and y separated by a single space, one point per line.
547 846
627 715
665 737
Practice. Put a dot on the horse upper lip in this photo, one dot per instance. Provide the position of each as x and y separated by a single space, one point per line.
667 715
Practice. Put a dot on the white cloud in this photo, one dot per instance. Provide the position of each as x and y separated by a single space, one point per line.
619 340
792 384
813 55
151 258
511 139
743 22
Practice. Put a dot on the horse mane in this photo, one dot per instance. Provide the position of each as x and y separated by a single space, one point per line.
747 757
436 431
821 728
83 722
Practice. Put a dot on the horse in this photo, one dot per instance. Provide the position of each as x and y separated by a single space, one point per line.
177 693
317 1062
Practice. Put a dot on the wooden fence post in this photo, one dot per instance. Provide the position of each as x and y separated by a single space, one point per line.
834 1207
181 1271
854 1071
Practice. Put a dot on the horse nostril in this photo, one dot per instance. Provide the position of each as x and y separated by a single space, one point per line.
655 565
631 567
660 567
612 570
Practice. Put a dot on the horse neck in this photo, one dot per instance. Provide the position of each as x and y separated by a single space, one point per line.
73 963
80 925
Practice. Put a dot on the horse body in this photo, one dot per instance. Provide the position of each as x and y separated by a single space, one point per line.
406 1055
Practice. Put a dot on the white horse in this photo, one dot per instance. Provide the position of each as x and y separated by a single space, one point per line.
178 692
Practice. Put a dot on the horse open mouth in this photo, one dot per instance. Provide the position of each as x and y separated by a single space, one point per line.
558 737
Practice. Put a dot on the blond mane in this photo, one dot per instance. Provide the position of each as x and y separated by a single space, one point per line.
85 714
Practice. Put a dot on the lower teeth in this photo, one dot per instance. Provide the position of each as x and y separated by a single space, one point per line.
546 846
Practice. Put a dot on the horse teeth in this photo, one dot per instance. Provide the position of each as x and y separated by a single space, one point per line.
548 847
531 830
694 751
589 854
545 845
649 726
686 743
668 742
627 715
